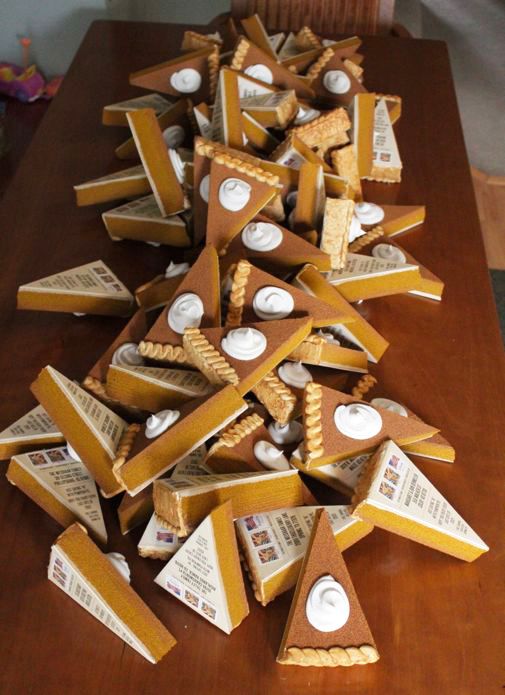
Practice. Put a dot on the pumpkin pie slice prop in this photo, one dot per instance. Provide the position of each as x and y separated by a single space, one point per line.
115 114
252 61
257 295
338 426
226 115
326 625
61 485
336 227
388 220
325 132
332 81
127 183
160 290
256 32
386 161
205 573
156 542
274 543
191 75
89 289
395 495
148 450
31 431
195 303
310 201
99 583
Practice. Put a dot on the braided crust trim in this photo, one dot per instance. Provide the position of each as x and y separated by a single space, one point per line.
240 53
310 350
163 352
335 656
96 387
247 168
312 415
233 435
123 450
366 478
237 294
277 398
209 149
366 239
323 59
306 39
154 554
363 386
207 359
213 67
166 524
248 571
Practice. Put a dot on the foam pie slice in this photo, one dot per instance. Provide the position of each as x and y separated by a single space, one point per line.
88 576
233 451
329 64
89 289
226 115
127 183
31 431
61 486
115 114
396 219
308 638
386 162
395 495
156 542
205 573
164 343
327 441
93 430
274 544
256 32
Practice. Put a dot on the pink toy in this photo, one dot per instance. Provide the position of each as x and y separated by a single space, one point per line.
25 85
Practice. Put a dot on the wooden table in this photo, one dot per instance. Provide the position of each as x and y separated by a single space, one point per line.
439 623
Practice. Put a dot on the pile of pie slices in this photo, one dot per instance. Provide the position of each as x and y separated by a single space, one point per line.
246 364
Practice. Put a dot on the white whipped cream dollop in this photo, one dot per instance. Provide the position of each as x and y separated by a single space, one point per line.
286 434
175 269
272 302
355 230
127 355
358 420
337 82
327 606
185 312
329 337
72 452
244 343
261 236
177 163
204 188
234 194
186 81
160 422
294 374
270 456
388 252
260 72
369 213
174 136
291 199
118 561
306 115
388 404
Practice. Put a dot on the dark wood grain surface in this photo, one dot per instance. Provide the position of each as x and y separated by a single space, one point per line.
438 622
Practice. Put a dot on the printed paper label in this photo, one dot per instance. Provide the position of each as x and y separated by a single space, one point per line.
291 158
69 482
275 40
247 88
385 149
145 207
149 101
192 465
136 172
277 539
104 423
400 486
203 123
35 424
182 381
219 129
223 480
264 102
62 573
158 539
289 48
358 266
94 279
346 472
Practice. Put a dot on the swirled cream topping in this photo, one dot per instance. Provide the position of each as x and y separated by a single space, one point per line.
272 302
175 269
260 72
358 420
294 374
327 606
127 355
185 312
336 82
388 404
73 453
329 337
160 422
369 213
244 343
234 194
118 561
306 115
261 236
355 230
286 434
204 188
270 456
388 252
177 163
174 135
186 81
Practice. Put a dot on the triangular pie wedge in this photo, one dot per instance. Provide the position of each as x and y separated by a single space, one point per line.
436 448
164 344
222 223
140 459
61 486
226 116
158 291
386 163
157 542
395 495
246 55
29 432
310 201
160 78
249 288
256 32
89 289
205 573
93 430
325 443
233 450
274 543
204 349
88 576
115 114
324 583
392 219
327 131
331 62
363 114
158 166
127 183
274 110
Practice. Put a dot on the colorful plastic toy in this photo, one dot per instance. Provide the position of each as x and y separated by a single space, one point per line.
25 85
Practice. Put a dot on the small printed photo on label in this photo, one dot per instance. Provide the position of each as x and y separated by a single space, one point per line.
174 586
253 522
269 554
260 538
